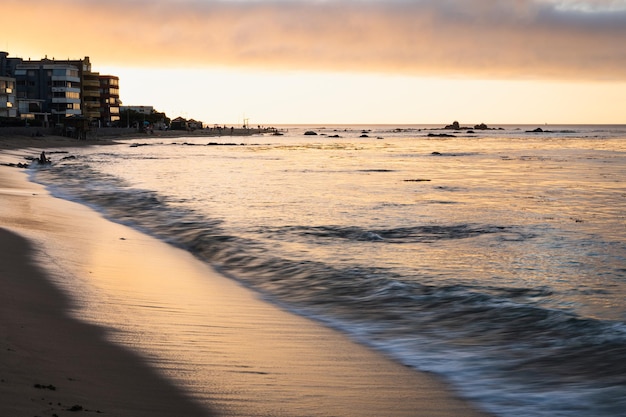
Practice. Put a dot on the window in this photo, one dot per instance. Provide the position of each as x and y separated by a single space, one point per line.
65 94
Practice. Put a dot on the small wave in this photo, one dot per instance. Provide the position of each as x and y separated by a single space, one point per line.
413 234
499 345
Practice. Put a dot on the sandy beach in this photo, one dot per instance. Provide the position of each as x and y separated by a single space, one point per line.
78 291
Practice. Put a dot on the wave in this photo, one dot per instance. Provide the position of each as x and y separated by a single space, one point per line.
500 346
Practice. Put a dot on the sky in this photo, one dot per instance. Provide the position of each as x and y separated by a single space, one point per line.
343 61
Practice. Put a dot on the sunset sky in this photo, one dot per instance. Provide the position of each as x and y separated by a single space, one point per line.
343 61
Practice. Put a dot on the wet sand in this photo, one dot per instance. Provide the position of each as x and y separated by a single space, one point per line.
96 315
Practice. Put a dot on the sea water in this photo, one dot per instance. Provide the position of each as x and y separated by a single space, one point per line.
493 258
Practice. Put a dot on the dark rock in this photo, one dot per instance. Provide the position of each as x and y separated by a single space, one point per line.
50 387
454 126
481 126
310 133
440 135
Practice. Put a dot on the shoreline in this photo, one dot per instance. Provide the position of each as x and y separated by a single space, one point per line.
10 140
261 358
53 364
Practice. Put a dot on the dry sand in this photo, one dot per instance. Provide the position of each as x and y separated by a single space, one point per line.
195 343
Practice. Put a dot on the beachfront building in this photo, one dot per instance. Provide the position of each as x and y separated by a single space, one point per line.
90 82
7 64
90 88
56 87
179 123
8 102
54 90
109 100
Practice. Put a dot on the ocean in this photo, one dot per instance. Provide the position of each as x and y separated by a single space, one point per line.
495 259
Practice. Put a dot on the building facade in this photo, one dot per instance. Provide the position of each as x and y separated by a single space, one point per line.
48 89
8 102
53 90
110 100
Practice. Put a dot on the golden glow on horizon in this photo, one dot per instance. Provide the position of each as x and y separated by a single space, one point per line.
340 61
227 96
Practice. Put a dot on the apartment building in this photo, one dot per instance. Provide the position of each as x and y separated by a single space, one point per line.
48 89
8 102
109 100
8 98
53 90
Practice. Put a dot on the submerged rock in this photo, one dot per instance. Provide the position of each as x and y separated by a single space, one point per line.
440 135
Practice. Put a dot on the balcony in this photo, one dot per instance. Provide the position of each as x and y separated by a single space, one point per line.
65 100
66 78
91 83
65 89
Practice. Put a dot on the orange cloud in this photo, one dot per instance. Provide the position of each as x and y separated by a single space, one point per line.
470 38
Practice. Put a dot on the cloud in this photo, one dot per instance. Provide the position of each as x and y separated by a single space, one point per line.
522 39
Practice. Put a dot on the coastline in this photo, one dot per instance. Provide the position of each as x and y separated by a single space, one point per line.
52 364
9 140
293 364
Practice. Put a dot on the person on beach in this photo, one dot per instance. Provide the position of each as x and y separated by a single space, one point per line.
43 159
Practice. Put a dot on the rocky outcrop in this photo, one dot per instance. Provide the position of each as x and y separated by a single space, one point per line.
454 126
